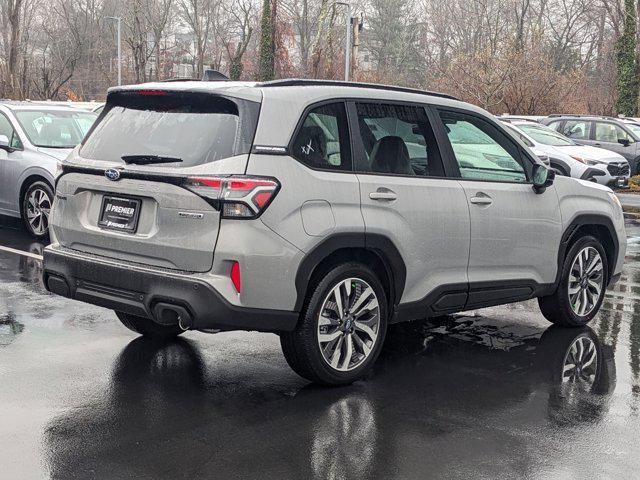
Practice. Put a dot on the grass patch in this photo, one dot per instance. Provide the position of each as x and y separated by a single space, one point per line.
634 186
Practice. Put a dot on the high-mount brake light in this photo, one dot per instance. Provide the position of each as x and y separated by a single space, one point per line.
151 92
236 196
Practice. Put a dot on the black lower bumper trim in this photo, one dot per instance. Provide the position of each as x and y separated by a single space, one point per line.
138 291
592 173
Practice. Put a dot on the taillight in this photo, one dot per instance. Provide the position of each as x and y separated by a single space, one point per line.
235 196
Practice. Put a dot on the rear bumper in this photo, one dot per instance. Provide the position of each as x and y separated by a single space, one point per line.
138 291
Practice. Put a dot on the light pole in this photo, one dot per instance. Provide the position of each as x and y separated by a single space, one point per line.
119 20
347 52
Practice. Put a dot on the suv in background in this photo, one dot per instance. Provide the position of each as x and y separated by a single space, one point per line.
569 159
610 133
33 139
321 211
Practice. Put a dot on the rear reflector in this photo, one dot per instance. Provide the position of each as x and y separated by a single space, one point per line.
235 276
236 196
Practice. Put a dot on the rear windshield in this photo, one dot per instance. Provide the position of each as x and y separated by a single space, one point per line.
195 128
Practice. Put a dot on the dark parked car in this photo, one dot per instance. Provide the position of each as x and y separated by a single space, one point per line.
610 133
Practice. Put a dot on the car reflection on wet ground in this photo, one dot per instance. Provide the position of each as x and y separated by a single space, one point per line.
494 393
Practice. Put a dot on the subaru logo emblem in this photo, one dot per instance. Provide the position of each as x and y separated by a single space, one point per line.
112 174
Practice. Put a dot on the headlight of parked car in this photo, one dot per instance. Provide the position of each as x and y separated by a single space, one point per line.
586 161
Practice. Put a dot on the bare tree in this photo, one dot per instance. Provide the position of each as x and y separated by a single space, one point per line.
158 18
240 27
11 13
200 16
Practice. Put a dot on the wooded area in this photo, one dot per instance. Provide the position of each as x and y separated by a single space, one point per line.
515 56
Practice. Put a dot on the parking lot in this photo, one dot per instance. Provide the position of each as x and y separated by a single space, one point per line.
478 395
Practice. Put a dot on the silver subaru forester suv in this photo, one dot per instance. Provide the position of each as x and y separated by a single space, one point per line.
320 211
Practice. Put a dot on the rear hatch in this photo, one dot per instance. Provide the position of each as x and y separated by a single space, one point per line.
127 193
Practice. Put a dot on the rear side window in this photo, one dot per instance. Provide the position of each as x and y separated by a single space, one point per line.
397 140
610 133
195 128
323 139
577 129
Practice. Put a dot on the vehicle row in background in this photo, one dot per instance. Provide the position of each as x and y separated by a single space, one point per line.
34 137
620 135
568 158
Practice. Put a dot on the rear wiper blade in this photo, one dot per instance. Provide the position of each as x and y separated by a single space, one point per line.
148 159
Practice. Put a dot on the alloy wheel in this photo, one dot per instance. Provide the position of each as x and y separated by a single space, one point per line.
586 281
38 209
580 362
348 324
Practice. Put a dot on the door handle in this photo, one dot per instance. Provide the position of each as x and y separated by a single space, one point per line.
383 194
481 199
597 144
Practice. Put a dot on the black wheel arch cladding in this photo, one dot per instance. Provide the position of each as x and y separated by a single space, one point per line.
592 224
379 245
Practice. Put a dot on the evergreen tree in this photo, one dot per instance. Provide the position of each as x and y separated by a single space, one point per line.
266 65
627 79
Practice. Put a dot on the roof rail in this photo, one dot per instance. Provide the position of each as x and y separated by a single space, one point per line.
576 115
302 82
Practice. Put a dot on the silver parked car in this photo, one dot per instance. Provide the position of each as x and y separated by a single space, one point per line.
322 211
33 139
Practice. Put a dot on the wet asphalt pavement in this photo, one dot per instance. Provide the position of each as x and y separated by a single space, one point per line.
473 396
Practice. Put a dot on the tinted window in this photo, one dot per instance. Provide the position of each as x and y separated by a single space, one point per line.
55 129
397 139
323 139
577 129
196 128
610 133
482 151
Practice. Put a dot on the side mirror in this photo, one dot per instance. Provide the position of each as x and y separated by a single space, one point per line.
543 177
624 142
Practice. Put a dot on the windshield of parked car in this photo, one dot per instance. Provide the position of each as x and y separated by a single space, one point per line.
635 128
195 128
519 134
545 135
55 128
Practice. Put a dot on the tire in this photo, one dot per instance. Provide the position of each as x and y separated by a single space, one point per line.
360 288
35 207
147 327
577 309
